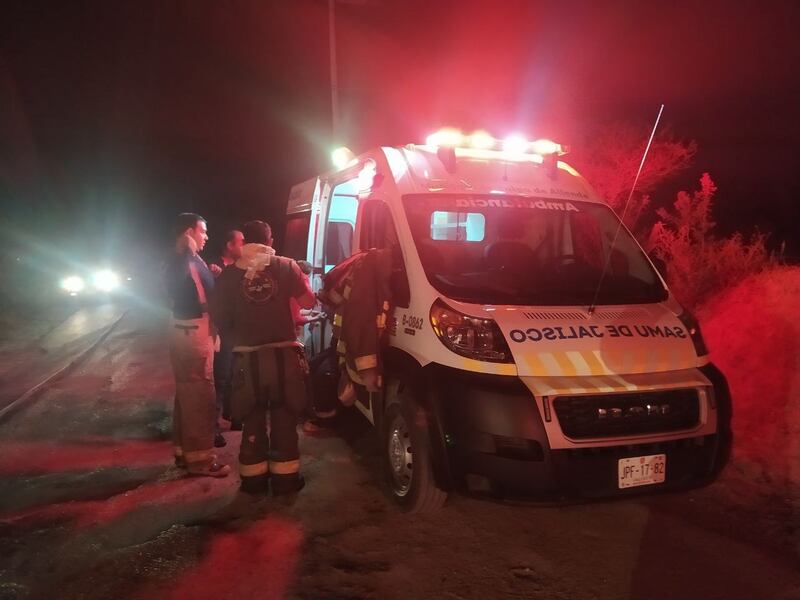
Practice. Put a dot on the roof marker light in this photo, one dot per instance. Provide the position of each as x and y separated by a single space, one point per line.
515 144
342 157
445 137
366 176
481 140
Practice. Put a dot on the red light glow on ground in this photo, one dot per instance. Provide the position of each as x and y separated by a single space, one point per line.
24 458
258 562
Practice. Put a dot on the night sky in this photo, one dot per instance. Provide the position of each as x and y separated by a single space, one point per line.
116 115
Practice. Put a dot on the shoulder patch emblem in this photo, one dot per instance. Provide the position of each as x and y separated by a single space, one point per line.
260 289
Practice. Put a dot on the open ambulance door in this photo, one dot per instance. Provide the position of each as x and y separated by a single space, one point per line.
321 223
301 242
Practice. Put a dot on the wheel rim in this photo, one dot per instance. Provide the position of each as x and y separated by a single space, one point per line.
400 457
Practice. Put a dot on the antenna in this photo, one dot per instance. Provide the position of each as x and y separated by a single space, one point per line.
593 305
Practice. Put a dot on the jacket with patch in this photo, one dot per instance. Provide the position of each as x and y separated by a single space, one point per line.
250 302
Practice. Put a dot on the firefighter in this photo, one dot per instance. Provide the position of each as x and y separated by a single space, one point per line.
251 306
360 294
188 282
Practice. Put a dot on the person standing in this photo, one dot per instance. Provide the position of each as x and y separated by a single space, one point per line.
234 240
189 282
223 358
251 304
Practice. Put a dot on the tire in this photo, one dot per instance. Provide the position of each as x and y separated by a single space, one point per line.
407 455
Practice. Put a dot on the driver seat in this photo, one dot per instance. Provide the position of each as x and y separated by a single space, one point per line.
515 257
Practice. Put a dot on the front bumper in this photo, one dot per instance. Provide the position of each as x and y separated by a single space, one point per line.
495 441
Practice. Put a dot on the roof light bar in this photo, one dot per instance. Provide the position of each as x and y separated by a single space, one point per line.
481 140
544 147
445 137
515 144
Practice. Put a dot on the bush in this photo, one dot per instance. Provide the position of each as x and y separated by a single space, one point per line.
755 340
698 263
610 159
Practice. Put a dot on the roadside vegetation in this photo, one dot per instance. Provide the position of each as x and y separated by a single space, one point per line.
742 290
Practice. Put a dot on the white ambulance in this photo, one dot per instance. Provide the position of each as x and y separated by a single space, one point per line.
534 350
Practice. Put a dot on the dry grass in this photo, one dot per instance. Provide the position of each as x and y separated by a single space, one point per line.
754 336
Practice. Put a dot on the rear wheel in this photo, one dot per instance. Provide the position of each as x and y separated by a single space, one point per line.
406 448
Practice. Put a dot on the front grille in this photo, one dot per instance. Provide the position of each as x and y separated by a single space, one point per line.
609 415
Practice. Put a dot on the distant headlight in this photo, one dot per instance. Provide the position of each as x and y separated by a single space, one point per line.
105 281
72 284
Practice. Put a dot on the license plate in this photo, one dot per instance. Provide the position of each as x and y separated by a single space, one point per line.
642 470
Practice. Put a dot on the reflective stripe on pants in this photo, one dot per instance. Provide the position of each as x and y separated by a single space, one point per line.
284 467
254 470
276 452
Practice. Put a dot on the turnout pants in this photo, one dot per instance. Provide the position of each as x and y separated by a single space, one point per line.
191 353
267 397
223 370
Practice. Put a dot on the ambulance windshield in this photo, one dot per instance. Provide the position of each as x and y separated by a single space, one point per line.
498 249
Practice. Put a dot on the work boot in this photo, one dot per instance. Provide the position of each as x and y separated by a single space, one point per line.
318 427
219 441
215 469
255 485
283 485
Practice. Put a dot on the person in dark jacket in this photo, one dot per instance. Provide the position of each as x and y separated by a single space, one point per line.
223 357
189 282
251 304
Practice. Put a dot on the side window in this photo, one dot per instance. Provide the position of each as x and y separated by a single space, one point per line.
378 231
338 243
295 242
341 223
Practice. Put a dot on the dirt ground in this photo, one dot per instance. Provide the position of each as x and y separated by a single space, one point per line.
91 507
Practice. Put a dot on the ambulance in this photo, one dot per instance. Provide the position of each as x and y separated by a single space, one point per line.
534 350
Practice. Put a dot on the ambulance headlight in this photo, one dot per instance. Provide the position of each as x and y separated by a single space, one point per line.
693 328
473 337
73 284
105 281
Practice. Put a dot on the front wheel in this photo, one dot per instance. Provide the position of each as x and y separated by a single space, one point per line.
407 455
